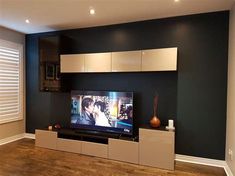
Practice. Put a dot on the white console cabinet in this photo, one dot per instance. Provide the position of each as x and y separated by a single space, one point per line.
155 148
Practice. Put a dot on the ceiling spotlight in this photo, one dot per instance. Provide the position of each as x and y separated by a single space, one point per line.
27 21
92 11
177 0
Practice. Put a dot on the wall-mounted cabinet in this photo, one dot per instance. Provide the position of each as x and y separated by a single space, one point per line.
159 59
128 61
98 62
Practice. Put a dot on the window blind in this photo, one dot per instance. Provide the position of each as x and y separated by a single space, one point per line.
10 83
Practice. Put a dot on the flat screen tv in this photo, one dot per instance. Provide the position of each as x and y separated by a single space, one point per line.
105 111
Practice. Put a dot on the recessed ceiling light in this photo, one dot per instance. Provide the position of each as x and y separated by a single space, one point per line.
177 0
27 21
92 11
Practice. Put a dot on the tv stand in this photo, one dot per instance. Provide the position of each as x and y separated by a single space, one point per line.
155 147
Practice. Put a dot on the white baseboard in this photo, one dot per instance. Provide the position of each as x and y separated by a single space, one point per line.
29 135
199 160
16 137
228 170
204 161
11 139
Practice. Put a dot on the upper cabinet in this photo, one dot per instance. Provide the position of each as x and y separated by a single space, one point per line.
72 63
128 61
98 62
159 59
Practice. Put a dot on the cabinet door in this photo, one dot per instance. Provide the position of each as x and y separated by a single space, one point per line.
46 139
127 61
159 59
157 148
72 63
98 62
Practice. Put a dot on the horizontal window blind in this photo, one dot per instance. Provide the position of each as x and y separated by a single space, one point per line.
10 83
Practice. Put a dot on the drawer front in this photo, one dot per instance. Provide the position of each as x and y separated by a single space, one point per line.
95 149
46 139
156 136
127 151
68 145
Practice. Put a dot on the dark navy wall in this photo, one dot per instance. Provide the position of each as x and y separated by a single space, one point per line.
194 96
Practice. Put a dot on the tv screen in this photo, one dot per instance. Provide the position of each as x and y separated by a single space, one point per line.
107 111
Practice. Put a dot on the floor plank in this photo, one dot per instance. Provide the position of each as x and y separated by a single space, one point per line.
22 158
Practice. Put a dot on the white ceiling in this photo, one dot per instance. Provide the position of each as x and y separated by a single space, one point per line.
51 15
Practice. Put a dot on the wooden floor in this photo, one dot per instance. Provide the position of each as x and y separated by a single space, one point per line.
22 158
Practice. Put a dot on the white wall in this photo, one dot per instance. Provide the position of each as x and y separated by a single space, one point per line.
18 127
230 136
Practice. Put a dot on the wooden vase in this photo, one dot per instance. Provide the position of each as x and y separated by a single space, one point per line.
155 121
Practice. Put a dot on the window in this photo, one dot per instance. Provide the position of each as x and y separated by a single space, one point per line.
11 81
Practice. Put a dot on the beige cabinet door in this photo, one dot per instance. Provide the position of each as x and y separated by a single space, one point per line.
72 63
45 139
157 148
159 59
127 61
122 150
98 62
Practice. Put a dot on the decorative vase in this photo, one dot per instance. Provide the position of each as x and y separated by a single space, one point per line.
155 121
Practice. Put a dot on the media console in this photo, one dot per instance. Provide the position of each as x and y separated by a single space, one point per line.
155 148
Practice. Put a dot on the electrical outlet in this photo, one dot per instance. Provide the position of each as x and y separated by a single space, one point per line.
230 153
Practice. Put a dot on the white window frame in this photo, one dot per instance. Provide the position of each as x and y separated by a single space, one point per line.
19 47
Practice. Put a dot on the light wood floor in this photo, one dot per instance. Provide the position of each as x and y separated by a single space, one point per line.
22 158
